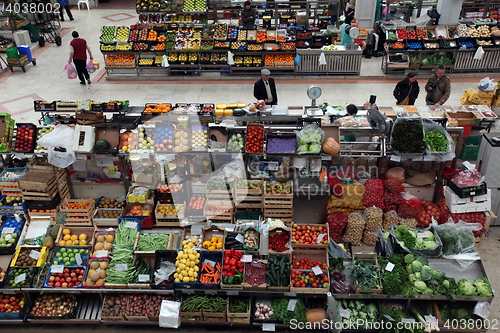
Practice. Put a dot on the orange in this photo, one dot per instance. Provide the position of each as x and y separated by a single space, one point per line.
66 231
67 237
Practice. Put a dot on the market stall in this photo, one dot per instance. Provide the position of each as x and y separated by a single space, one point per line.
208 217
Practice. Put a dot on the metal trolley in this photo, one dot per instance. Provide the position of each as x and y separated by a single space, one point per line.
49 28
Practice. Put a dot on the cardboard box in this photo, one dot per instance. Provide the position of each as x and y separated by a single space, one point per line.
464 118
110 133
83 139
479 203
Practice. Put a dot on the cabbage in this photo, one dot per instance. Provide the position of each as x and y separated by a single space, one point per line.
302 149
466 287
314 148
483 288
420 286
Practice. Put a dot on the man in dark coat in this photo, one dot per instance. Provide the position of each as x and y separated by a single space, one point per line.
248 16
265 88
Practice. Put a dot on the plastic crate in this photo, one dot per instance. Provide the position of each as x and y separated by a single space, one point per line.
19 173
471 147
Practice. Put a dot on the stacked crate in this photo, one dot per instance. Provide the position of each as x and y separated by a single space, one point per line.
278 205
62 183
38 185
479 97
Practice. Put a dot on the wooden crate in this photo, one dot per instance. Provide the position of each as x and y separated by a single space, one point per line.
80 216
41 164
214 316
107 222
367 257
278 202
41 196
238 317
88 231
136 318
277 196
151 257
249 202
191 316
226 214
159 217
169 245
325 237
249 191
37 181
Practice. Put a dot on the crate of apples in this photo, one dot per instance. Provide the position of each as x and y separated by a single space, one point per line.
69 278
26 135
196 203
310 235
10 306
255 139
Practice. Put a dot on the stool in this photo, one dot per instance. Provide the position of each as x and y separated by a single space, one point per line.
86 2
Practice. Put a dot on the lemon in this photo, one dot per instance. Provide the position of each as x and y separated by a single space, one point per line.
197 255
66 231
182 266
184 273
67 237
195 268
181 253
192 257
178 270
183 261
186 256
176 275
197 261
193 240
177 280
184 243
186 279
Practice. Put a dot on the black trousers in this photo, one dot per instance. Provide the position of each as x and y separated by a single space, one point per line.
68 11
81 69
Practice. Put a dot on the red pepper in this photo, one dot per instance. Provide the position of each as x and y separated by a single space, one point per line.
240 264
226 267
232 262
238 254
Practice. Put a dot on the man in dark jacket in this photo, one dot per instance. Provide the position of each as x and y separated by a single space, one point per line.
248 16
406 90
265 88
438 87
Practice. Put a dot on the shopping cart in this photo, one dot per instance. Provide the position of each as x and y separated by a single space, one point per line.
22 61
49 28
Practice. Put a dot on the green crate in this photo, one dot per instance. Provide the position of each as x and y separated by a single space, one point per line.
470 149
12 53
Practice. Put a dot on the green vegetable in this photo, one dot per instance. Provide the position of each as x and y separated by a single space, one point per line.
408 137
303 149
239 304
483 287
121 256
152 242
420 286
466 287
124 236
366 273
211 304
404 236
436 140
360 312
395 281
281 312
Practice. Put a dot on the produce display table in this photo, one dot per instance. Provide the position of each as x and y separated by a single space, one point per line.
337 62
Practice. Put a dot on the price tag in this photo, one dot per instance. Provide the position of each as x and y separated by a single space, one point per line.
289 294
291 304
345 313
240 238
210 292
423 234
196 230
57 268
81 157
210 262
131 225
407 320
246 258
317 270
188 291
269 327
232 293
8 230
395 158
19 155
78 259
101 253
121 267
430 319
389 317
320 238
34 254
390 266
8 292
20 278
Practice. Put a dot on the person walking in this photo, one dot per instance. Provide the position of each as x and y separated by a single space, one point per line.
64 4
265 88
406 90
78 54
438 87
248 15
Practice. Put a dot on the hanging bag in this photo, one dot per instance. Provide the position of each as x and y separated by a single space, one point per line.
70 71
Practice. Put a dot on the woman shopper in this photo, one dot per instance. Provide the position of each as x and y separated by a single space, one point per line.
78 54
406 90
64 4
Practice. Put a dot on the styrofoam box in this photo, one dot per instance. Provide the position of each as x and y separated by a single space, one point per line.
480 203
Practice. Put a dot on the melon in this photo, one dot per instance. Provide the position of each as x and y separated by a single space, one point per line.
102 144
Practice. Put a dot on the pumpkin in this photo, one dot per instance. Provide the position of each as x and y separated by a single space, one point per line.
315 315
331 147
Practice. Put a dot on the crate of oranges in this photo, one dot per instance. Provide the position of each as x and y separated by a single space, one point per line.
165 213
79 211
75 236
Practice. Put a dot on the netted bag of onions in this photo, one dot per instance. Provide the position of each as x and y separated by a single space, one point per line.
354 230
391 217
374 217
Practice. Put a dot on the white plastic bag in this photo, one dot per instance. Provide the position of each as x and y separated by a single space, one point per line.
322 59
169 314
479 53
230 59
164 61
60 145
486 84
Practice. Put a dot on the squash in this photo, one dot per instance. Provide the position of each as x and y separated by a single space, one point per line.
315 315
331 147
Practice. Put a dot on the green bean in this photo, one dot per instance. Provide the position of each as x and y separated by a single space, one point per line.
124 236
152 242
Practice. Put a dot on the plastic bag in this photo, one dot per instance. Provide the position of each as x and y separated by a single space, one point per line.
433 137
60 145
384 245
390 218
322 59
410 207
354 230
334 250
169 314
486 84
479 53
468 178
374 217
430 253
90 66
336 225
374 193
70 71
395 173
164 61
309 139
407 137
458 237
230 58
297 60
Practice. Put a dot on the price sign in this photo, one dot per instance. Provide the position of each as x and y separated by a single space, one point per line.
320 238
317 270
34 254
8 230
269 327
430 319
210 292
101 253
210 262
121 267
407 320
291 304
78 259
196 230
240 238
57 268
246 258
390 266
395 158
131 225
143 278
345 313
232 293
20 278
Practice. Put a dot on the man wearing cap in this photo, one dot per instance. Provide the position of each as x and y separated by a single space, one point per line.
248 15
265 89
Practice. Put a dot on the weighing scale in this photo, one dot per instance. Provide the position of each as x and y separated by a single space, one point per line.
314 92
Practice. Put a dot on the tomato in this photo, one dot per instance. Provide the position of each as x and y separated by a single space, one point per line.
293 276
314 285
311 274
297 284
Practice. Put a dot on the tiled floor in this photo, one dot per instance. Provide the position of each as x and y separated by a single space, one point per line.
48 81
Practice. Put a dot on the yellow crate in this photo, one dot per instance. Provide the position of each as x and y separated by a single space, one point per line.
475 99
470 92
464 98
495 102
485 101
486 94
44 252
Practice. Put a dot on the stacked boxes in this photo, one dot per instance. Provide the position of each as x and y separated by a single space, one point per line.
479 97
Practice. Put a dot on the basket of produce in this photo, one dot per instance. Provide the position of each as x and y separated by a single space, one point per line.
397 46
53 306
407 137
418 242
439 142
414 44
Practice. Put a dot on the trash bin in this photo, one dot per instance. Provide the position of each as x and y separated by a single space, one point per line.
12 53
25 49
